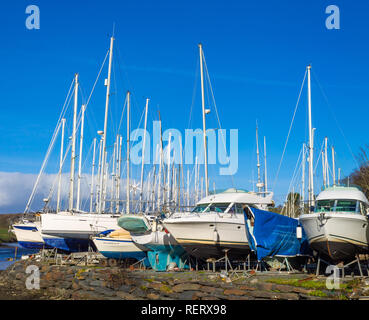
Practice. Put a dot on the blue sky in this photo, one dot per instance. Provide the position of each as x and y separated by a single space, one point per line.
256 53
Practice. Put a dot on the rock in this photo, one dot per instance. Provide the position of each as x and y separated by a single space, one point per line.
265 286
273 295
138 292
44 268
247 288
186 287
154 285
207 289
153 296
75 286
65 285
95 283
124 288
104 291
187 295
209 298
125 296
19 276
57 275
46 284
234 292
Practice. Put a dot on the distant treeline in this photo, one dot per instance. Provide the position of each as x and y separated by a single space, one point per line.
360 176
5 221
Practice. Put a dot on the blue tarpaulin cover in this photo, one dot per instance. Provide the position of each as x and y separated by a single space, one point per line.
275 235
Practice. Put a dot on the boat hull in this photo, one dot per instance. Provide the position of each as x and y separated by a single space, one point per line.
163 250
336 236
77 226
118 248
28 235
67 244
208 235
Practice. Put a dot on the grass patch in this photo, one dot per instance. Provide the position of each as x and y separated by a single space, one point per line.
307 284
317 284
318 293
6 236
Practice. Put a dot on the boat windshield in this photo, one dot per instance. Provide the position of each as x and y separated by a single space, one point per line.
218 207
346 205
236 208
340 205
324 205
200 207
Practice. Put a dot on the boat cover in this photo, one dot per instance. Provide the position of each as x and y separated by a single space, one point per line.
274 235
137 224
161 257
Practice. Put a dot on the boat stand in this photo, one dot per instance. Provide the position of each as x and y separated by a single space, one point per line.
140 265
357 260
318 265
288 265
342 268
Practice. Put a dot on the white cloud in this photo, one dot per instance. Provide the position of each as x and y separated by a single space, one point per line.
16 188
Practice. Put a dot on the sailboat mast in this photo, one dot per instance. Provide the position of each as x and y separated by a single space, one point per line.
303 178
333 167
92 174
106 122
265 165
128 145
119 164
258 160
60 165
73 152
324 171
311 145
326 161
143 154
204 122
98 186
80 159
168 168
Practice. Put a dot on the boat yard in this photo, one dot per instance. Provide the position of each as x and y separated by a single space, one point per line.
135 147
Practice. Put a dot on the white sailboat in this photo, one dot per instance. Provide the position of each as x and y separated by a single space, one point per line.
74 227
119 245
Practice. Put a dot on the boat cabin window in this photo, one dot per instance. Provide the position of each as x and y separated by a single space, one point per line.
218 207
236 208
200 207
346 205
363 208
340 205
324 205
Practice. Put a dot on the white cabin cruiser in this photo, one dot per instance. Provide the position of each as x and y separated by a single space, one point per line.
338 227
216 223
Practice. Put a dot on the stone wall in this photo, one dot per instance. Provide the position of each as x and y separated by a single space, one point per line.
78 283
